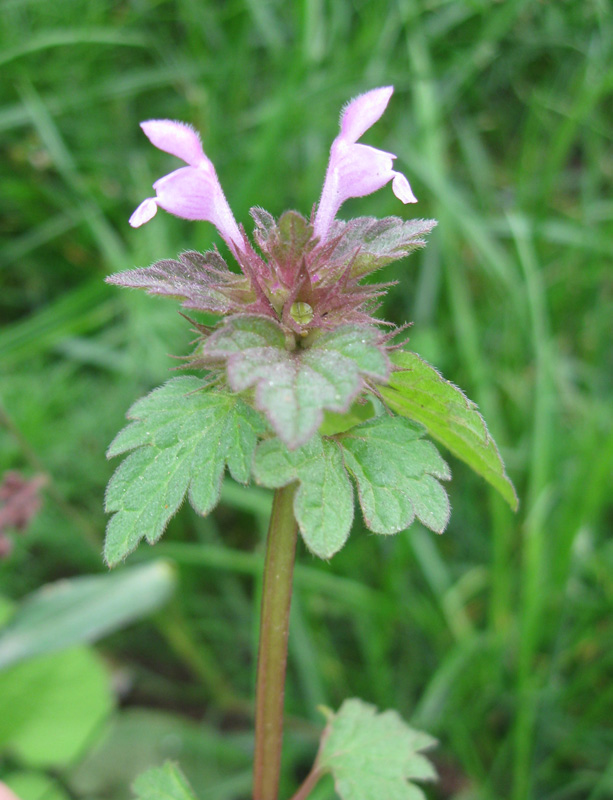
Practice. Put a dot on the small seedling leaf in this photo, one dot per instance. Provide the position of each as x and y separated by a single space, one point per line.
52 706
84 609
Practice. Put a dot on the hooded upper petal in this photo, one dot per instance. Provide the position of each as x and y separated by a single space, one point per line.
191 192
176 138
356 170
363 111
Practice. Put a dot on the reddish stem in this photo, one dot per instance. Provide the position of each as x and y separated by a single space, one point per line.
272 658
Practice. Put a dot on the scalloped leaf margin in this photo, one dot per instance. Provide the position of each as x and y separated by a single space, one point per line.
419 392
183 435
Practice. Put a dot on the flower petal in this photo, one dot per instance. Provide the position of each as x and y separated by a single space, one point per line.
195 193
355 170
192 192
363 111
362 170
146 211
176 138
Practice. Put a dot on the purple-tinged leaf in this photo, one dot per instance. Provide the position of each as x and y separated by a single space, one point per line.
203 280
293 388
290 240
265 224
368 243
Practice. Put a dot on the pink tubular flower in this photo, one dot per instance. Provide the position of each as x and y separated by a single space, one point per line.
356 170
191 192
194 192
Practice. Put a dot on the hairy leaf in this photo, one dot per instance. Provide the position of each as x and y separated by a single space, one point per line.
396 472
369 243
183 437
361 410
373 756
291 240
293 388
203 280
323 504
163 783
265 226
420 393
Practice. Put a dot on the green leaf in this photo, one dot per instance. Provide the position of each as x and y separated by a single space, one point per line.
373 756
395 470
163 783
84 609
51 705
33 786
396 473
184 437
359 412
323 504
293 388
420 393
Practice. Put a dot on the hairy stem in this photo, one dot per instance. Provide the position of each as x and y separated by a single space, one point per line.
272 658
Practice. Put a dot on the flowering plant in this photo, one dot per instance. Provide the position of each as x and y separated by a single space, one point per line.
305 392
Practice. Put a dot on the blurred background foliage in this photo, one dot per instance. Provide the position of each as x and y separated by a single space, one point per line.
496 638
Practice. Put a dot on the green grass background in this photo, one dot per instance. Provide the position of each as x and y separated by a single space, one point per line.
496 638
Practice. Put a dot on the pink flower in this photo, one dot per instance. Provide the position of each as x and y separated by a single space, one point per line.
191 192
194 192
356 170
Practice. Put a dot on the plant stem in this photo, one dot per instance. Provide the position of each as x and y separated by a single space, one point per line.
272 658
308 784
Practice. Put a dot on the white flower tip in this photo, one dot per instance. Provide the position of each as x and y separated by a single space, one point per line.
146 211
402 188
